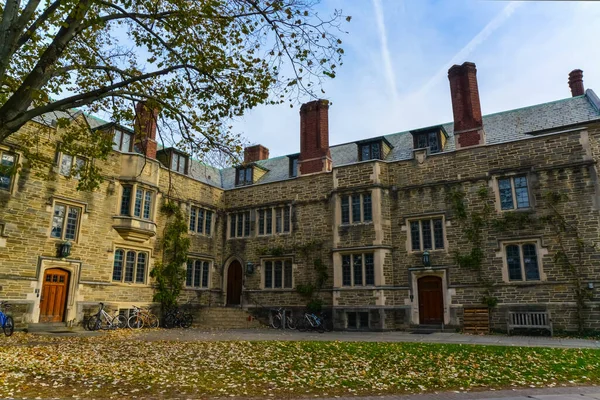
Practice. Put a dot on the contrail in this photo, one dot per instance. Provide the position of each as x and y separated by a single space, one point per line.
472 45
385 52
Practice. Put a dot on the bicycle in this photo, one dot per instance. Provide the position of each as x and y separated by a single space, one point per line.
103 320
277 317
6 321
310 321
142 317
175 317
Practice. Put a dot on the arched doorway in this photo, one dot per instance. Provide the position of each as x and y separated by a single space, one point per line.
234 283
431 300
53 302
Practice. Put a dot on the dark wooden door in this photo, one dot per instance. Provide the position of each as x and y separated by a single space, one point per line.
431 300
234 283
54 295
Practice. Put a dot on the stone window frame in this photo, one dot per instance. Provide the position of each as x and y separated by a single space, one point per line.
429 217
74 167
359 325
137 250
179 162
246 225
204 263
353 283
273 210
68 203
512 175
13 178
350 197
541 251
194 210
3 234
369 145
132 201
274 260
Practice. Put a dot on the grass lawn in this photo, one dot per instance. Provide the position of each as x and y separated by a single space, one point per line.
118 366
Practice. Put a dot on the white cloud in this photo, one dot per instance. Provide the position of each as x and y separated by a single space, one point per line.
385 52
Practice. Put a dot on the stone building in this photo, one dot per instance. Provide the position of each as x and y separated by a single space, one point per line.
387 233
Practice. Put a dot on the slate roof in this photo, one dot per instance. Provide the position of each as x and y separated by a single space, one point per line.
502 127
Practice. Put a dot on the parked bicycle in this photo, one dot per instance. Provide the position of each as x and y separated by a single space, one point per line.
142 317
175 317
310 321
6 321
105 321
277 318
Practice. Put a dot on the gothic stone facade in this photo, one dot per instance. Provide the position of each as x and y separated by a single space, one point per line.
351 223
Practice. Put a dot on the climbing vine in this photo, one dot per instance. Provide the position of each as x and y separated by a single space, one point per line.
169 274
473 224
572 261
307 251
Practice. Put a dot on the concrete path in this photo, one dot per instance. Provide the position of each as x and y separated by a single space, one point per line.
571 393
456 338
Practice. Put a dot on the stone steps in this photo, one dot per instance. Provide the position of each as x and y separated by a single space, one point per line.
225 318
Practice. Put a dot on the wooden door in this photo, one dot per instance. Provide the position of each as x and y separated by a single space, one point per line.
54 295
431 300
234 283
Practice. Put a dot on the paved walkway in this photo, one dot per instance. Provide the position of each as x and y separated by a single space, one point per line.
457 338
572 393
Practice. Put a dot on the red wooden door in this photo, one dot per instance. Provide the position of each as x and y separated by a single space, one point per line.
234 283
431 300
54 295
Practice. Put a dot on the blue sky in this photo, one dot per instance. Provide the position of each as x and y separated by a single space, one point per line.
394 77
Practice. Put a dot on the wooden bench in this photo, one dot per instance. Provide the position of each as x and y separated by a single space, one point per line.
529 320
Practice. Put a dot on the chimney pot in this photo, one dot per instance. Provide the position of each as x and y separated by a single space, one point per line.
466 107
146 118
255 153
314 138
576 82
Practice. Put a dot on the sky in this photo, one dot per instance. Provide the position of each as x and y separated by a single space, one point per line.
398 52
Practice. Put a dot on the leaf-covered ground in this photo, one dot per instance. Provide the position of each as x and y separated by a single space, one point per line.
118 366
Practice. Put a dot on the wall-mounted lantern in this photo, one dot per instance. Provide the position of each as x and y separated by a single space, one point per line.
64 249
426 259
249 268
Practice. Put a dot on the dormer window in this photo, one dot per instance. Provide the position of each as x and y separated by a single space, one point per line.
122 141
179 163
370 151
433 138
293 166
243 176
373 149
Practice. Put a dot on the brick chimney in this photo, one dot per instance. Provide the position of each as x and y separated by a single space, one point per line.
255 153
314 138
468 122
576 82
145 128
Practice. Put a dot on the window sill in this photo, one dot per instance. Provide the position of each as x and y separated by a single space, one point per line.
368 287
239 238
58 240
431 251
356 224
278 289
200 234
274 234
524 283
518 210
197 289
131 284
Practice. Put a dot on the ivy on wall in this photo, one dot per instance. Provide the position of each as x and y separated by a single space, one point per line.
169 273
477 224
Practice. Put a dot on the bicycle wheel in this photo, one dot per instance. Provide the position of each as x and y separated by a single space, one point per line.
119 322
169 321
135 322
186 320
93 323
9 326
153 321
276 321
320 328
291 324
302 324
